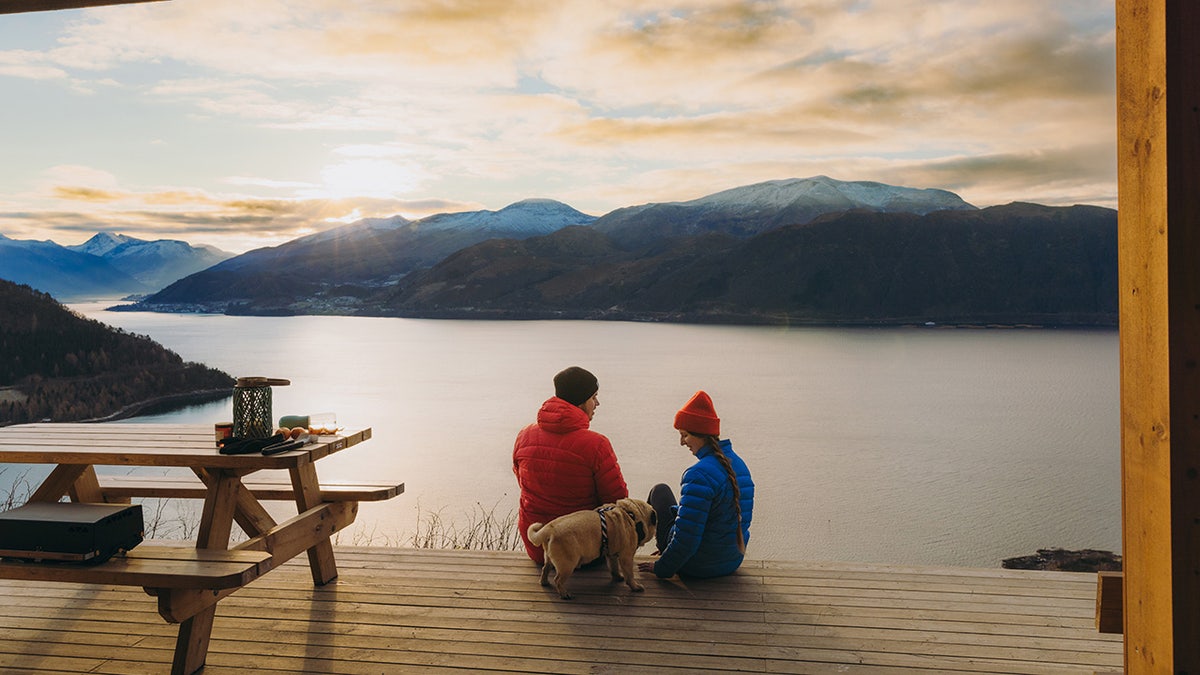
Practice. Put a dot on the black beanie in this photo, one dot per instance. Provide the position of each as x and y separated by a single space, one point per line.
575 385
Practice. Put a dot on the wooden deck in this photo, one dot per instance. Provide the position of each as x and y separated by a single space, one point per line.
409 610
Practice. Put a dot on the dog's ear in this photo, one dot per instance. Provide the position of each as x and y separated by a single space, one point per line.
637 524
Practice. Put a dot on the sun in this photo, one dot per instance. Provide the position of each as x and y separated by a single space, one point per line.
368 177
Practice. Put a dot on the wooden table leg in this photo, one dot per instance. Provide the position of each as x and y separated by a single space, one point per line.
191 646
308 494
216 525
216 522
248 513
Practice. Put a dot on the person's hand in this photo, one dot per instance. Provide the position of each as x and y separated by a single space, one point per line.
646 566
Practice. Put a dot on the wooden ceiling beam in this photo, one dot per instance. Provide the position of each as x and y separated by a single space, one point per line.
17 6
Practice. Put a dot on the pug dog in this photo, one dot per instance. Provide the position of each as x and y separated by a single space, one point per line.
614 531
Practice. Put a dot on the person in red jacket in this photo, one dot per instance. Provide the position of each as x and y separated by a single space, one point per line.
561 465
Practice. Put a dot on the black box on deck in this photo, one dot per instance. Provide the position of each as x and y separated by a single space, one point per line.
70 531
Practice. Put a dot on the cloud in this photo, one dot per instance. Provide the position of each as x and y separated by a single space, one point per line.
85 194
230 221
322 108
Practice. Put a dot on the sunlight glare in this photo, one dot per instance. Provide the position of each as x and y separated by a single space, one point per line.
378 178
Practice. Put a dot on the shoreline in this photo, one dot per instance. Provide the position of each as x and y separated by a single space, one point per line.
164 404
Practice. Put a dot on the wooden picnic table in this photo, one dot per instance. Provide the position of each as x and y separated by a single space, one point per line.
188 582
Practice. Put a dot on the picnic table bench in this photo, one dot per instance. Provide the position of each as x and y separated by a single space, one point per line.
120 489
189 581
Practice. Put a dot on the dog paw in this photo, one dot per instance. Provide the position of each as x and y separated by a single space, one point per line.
637 588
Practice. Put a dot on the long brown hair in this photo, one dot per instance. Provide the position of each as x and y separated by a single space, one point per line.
737 491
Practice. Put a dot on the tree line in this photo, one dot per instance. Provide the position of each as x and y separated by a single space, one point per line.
56 364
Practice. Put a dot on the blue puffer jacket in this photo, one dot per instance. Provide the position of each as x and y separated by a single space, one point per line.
704 538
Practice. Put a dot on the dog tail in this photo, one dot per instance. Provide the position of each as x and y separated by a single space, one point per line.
535 538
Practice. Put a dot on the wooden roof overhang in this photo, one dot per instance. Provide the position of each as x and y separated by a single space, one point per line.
16 6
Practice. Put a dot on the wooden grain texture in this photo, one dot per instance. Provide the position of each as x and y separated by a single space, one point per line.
412 610
1158 161
123 488
154 566
1110 598
180 445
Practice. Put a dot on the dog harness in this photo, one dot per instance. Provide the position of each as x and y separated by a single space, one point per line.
641 531
603 529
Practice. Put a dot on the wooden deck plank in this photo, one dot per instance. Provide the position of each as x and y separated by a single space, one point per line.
406 610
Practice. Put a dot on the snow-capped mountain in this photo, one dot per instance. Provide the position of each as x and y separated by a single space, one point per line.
102 243
526 217
107 265
753 209
828 194
155 263
62 272
339 270
370 253
357 228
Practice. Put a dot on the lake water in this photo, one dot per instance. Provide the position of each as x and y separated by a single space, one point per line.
906 445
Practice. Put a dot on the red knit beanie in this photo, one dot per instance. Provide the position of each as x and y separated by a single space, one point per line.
698 416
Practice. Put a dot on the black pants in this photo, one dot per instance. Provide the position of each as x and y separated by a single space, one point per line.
663 499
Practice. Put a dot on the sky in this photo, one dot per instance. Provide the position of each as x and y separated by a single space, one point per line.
247 123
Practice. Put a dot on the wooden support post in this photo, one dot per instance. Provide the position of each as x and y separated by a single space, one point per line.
1109 598
216 525
1158 163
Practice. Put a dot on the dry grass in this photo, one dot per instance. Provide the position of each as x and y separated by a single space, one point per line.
19 489
483 530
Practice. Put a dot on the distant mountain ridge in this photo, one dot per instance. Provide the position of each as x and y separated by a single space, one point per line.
793 250
754 209
333 268
344 269
154 263
528 217
62 272
812 250
105 265
1020 264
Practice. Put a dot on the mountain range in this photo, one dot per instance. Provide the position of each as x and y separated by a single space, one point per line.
106 265
357 259
811 250
1009 265
754 209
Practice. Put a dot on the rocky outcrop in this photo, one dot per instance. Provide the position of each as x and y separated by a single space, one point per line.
1062 560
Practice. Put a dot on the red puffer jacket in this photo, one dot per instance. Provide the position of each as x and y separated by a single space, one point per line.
562 467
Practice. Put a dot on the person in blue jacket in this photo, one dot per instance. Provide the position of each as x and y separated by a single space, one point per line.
706 533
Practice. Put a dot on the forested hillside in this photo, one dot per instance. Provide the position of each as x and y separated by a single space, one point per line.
1018 264
57 365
